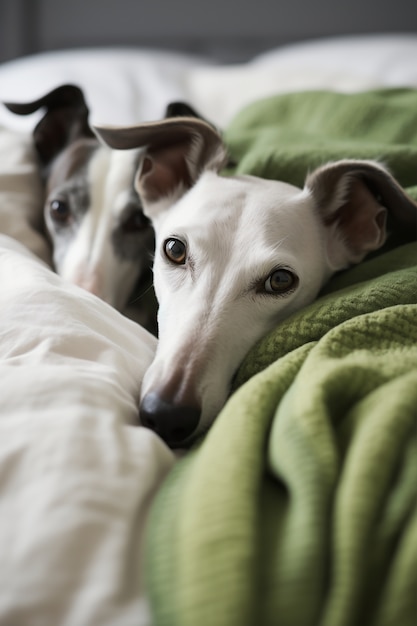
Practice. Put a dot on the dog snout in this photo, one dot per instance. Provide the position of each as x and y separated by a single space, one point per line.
174 423
90 283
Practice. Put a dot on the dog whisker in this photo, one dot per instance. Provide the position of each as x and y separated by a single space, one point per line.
141 295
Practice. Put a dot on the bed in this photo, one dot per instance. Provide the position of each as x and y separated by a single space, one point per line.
299 506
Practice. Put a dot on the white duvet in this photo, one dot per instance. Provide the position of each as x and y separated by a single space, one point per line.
77 477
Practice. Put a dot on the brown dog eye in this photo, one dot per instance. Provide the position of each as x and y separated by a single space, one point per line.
176 251
59 211
280 281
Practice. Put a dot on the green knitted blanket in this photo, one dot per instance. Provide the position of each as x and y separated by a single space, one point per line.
299 508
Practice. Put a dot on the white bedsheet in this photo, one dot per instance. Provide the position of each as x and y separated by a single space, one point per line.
21 193
76 477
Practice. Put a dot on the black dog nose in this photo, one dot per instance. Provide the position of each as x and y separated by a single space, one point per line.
172 422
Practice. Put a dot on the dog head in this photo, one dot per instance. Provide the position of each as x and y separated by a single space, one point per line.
236 255
100 237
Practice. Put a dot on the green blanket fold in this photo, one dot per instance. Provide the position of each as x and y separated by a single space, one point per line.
284 137
299 508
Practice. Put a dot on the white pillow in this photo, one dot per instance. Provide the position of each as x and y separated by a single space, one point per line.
76 475
121 85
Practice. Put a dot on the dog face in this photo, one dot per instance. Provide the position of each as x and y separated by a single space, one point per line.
226 273
235 256
101 239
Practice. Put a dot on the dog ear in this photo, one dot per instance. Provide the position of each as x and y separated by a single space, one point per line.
176 151
65 119
181 109
354 199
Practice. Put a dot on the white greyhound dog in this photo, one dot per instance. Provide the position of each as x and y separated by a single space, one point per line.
236 255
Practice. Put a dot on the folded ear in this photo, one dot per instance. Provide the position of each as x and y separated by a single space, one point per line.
354 200
176 151
65 119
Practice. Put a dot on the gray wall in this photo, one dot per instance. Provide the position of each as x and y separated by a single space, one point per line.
227 29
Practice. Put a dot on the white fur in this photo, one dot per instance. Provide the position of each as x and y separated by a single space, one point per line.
89 259
217 301
237 231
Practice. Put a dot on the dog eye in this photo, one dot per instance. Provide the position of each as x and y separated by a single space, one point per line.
59 211
176 251
135 222
280 281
